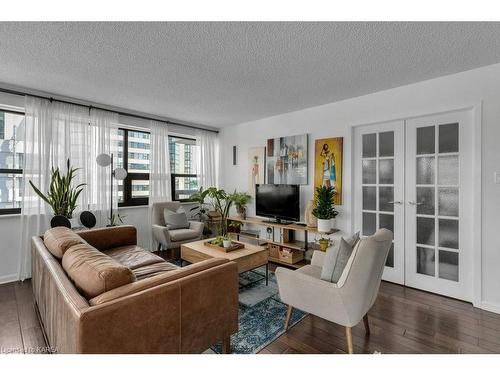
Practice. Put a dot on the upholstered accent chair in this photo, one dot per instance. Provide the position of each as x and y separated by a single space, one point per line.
349 300
173 238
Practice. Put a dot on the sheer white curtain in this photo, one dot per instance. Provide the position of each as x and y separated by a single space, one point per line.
208 158
159 169
103 139
53 133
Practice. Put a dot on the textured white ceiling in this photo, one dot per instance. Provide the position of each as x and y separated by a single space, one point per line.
220 74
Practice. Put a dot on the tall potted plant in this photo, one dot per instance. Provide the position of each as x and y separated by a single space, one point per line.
240 201
200 211
324 210
222 203
62 195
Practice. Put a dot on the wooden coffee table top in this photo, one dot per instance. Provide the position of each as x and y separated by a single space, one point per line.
252 256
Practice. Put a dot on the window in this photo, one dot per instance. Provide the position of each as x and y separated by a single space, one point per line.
133 155
11 161
184 180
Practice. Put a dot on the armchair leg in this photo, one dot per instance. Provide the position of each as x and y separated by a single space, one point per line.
226 345
159 247
367 325
288 316
348 333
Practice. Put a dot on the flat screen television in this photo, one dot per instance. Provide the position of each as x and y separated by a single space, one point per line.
280 202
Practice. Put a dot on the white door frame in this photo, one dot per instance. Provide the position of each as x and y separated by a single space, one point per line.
476 108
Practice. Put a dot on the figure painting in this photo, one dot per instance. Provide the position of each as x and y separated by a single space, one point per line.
328 165
256 167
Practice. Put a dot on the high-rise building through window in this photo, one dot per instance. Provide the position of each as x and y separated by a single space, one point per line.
11 161
185 180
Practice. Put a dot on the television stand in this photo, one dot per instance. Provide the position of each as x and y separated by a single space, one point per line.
284 248
280 222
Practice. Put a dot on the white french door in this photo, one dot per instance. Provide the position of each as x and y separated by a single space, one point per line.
414 177
379 181
439 204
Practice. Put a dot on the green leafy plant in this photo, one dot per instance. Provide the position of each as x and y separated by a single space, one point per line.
323 197
62 196
200 211
240 201
222 203
234 226
219 240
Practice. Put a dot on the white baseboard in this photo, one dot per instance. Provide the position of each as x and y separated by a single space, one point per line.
490 306
8 278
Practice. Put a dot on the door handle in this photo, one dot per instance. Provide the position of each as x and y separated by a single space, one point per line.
395 202
415 203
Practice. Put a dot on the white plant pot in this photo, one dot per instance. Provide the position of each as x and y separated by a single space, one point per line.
324 225
226 243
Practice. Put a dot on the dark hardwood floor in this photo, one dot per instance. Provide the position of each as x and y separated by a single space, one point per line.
403 320
20 330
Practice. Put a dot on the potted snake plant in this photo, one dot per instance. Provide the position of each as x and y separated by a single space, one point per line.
62 195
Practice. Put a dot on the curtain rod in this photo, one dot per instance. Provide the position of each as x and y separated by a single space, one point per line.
21 93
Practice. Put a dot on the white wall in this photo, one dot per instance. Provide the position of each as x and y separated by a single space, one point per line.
336 119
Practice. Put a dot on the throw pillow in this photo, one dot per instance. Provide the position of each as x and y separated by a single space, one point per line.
338 251
175 220
343 255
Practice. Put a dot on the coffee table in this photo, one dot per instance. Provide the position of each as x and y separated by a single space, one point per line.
247 259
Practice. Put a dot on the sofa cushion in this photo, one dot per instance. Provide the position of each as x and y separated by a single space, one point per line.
175 220
93 272
108 238
133 256
59 239
153 270
153 281
177 235
336 258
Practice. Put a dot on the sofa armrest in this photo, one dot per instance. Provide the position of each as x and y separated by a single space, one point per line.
318 258
187 315
107 238
197 226
161 234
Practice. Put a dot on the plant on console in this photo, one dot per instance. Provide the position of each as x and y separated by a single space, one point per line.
240 201
325 209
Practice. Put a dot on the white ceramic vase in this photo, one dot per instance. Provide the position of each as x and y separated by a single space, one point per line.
324 225
226 243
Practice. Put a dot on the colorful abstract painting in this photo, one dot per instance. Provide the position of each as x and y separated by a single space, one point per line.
328 157
256 167
287 160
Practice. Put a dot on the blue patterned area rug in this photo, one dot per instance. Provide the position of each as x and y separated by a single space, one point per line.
262 314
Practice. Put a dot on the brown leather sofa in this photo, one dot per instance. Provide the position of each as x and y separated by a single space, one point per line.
98 292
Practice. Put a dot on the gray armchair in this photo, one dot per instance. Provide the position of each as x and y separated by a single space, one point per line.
347 301
174 238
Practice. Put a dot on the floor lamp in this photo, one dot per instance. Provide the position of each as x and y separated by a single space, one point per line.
105 160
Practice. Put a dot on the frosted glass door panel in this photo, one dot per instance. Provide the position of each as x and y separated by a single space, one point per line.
438 177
